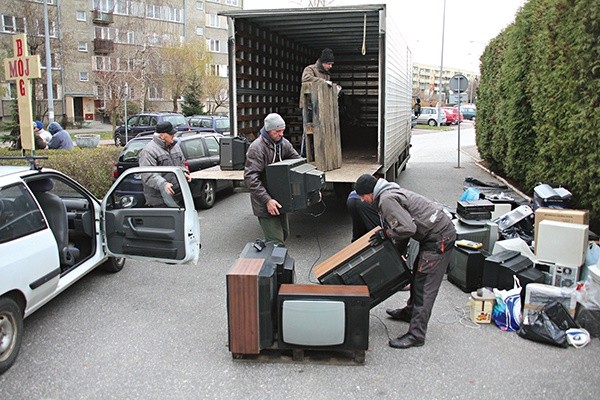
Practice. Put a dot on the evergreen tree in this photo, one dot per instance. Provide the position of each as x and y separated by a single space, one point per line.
191 104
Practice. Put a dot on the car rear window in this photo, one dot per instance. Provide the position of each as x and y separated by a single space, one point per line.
222 123
176 120
132 151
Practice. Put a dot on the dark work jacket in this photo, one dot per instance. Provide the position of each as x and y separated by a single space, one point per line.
407 214
260 154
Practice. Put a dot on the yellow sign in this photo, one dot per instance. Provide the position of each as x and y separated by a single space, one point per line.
22 68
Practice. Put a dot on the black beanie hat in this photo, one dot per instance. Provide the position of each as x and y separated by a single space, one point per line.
326 56
365 184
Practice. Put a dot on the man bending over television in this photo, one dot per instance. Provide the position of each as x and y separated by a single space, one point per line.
269 147
406 214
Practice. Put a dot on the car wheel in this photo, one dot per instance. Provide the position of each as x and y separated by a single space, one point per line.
11 332
113 264
432 122
118 141
205 195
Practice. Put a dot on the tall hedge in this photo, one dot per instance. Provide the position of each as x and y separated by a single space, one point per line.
92 168
538 100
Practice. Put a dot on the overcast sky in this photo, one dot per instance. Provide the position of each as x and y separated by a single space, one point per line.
470 24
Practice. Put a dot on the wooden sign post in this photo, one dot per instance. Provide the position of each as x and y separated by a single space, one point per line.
22 68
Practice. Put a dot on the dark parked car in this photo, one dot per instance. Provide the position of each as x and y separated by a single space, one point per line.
468 111
146 122
219 124
201 150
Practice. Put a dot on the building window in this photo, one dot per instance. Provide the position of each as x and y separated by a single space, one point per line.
231 2
213 1
153 11
212 20
104 5
84 76
80 15
82 46
55 94
40 29
199 5
12 91
12 24
53 63
155 93
214 46
200 31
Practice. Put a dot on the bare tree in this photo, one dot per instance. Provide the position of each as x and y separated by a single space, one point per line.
182 63
216 90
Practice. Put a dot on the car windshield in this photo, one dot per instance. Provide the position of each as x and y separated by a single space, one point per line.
222 123
176 120
132 151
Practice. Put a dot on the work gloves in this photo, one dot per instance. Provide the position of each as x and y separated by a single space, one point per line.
378 237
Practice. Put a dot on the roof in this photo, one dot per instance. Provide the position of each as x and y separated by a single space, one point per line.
339 28
12 169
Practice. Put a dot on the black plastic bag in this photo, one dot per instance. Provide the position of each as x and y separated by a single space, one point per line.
543 330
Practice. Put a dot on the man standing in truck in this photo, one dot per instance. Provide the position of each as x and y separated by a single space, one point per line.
269 147
320 69
406 214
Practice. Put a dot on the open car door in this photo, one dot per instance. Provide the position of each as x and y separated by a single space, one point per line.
169 232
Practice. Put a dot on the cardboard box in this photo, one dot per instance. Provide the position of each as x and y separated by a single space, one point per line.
561 215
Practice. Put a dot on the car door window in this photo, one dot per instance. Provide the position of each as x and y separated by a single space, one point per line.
213 146
206 123
193 149
153 121
144 120
19 213
133 121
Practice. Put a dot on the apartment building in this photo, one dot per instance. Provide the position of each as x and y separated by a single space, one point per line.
104 50
426 83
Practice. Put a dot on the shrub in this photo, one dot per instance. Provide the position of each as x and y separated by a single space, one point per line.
91 167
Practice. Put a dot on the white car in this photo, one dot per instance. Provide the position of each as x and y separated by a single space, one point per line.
53 231
429 116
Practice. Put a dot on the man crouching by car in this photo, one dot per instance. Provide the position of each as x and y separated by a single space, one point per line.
162 150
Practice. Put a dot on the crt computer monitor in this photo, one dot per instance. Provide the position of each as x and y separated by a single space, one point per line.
294 183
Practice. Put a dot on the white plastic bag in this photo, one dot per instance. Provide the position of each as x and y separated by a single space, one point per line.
507 310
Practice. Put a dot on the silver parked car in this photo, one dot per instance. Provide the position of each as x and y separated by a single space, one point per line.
429 116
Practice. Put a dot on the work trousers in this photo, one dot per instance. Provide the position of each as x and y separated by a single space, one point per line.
428 273
276 229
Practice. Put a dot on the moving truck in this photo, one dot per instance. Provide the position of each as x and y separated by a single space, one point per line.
268 50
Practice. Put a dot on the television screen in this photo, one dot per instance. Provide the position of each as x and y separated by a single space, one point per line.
332 317
313 323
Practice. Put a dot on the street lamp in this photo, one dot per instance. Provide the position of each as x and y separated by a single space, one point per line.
439 108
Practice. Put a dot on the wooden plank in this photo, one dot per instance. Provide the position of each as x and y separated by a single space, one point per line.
345 254
350 290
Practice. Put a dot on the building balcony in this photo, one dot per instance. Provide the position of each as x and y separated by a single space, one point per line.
102 17
103 46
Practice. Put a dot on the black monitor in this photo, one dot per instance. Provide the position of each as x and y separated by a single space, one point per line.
295 184
379 267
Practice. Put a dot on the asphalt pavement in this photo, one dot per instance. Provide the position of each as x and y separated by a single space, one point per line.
156 331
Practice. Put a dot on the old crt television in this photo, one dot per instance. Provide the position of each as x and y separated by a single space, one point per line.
466 268
321 317
252 285
482 232
294 183
379 267
232 152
